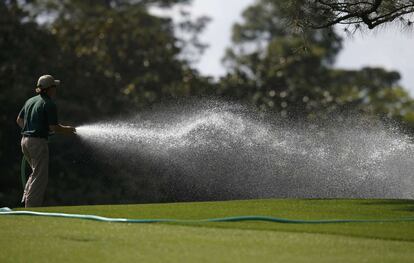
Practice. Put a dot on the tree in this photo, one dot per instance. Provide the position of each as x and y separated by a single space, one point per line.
271 68
318 14
269 63
119 48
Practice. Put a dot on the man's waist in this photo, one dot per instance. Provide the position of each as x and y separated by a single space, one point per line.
33 136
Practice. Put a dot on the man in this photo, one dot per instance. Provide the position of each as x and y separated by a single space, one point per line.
37 118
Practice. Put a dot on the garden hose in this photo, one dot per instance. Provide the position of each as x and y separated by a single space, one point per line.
8 211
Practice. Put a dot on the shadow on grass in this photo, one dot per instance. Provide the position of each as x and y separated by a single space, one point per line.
77 239
400 204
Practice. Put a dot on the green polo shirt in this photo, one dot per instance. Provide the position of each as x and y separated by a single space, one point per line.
38 113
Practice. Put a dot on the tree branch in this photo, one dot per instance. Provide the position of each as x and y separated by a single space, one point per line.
359 16
396 10
379 22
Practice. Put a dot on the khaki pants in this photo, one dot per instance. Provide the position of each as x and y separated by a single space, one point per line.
36 151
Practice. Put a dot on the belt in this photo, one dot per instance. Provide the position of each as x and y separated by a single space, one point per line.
31 136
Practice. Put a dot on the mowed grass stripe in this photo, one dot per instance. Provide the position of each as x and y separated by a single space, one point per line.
307 209
40 239
50 240
286 208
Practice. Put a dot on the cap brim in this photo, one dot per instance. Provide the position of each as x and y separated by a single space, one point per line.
57 82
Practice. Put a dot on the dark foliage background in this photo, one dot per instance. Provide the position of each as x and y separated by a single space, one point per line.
115 58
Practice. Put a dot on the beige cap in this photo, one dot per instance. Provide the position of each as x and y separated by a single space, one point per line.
47 81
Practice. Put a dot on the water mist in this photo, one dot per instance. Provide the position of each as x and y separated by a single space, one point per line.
216 150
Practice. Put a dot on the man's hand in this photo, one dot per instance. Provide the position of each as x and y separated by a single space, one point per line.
70 129
65 130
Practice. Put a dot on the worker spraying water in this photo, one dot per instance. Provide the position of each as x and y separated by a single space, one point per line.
37 118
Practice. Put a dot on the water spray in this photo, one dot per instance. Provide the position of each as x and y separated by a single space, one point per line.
221 151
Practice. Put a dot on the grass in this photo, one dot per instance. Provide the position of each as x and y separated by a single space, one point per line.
40 239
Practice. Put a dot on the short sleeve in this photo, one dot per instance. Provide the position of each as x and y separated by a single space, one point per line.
21 113
51 113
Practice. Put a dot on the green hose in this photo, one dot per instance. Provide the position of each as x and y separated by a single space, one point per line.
8 211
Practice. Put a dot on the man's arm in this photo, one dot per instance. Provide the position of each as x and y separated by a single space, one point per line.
54 125
66 130
20 118
20 122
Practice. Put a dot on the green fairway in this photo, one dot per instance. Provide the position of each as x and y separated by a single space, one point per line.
40 239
